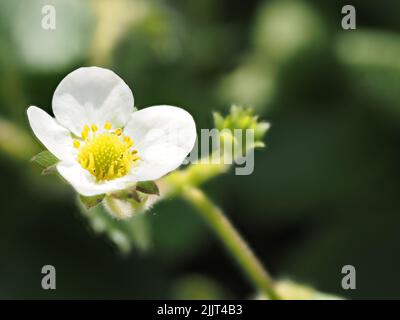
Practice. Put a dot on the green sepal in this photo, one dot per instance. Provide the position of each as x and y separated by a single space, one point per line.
49 170
135 196
129 194
45 159
91 202
148 187
218 120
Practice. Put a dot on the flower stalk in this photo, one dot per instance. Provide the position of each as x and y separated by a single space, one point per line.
233 242
185 183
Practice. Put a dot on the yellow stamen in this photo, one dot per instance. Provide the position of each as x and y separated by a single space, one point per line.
85 132
106 155
128 141
108 126
76 144
94 128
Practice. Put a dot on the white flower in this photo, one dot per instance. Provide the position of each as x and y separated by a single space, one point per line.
103 144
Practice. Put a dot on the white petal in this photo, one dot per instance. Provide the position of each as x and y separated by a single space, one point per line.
85 184
54 137
163 136
92 95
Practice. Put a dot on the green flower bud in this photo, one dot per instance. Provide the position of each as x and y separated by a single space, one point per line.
242 118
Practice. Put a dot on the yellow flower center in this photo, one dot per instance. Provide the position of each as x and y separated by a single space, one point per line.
108 155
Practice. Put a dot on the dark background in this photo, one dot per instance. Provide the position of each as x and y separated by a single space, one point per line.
325 192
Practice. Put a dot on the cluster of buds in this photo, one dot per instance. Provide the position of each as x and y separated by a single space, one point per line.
239 124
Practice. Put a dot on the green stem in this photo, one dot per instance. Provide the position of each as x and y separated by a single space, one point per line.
232 241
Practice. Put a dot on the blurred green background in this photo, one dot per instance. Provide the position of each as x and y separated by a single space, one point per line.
325 193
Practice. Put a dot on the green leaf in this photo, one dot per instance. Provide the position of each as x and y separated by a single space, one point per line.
90 202
148 187
45 159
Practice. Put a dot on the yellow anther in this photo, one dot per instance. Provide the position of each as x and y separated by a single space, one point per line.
118 132
134 151
85 132
94 128
76 144
128 141
108 126
107 156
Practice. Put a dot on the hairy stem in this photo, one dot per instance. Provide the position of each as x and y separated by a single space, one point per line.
232 240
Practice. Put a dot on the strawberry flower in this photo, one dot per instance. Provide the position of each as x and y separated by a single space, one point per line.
103 144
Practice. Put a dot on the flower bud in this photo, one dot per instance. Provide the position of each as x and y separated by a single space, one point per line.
244 119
